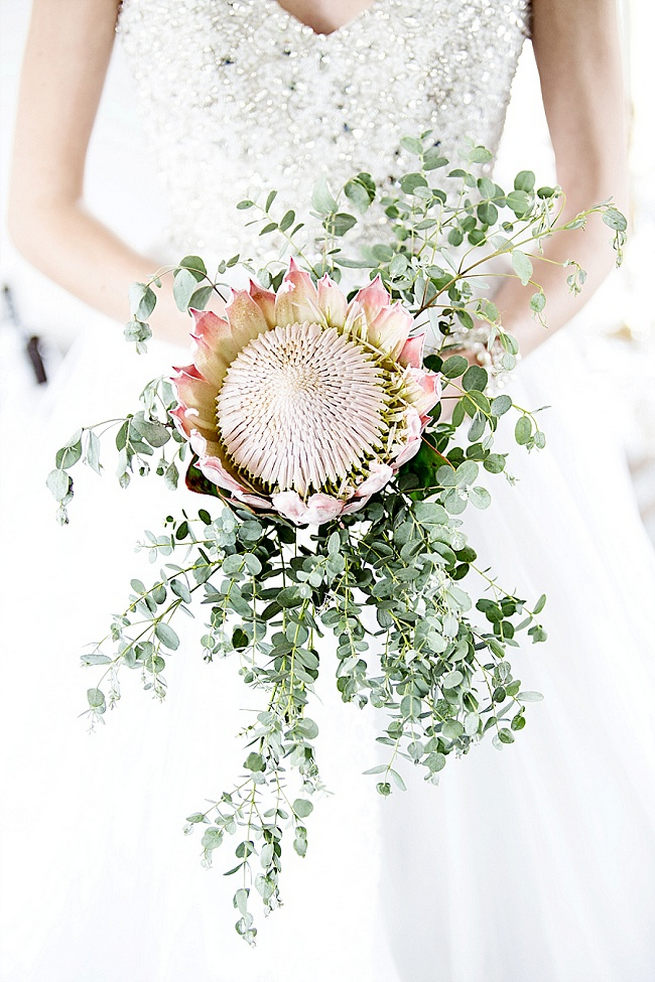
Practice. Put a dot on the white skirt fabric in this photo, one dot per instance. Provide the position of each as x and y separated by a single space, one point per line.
532 863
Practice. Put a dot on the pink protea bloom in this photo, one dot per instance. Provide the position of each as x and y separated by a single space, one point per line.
301 402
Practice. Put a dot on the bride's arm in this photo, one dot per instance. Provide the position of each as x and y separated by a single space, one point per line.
65 63
577 50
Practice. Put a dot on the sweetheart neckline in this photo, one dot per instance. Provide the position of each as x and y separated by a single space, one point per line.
344 29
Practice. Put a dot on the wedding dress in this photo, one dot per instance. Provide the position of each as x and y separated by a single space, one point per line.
535 863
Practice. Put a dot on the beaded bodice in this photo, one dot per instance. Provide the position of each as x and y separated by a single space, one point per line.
240 97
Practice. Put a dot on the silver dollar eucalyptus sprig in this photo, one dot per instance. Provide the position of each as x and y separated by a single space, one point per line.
435 656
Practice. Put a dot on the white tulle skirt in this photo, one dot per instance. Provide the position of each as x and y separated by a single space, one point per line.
531 863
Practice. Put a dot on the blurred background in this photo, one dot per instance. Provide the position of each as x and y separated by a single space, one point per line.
617 327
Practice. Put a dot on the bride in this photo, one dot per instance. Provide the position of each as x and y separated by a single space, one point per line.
535 863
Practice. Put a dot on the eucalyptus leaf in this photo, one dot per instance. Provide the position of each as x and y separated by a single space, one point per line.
59 484
323 200
167 635
522 266
389 597
523 430
302 808
195 265
184 287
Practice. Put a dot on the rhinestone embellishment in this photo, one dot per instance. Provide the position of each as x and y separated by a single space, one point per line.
240 97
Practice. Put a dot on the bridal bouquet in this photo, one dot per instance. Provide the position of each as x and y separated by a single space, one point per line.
336 437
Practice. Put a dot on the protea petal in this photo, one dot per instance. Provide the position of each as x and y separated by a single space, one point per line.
411 441
413 423
379 475
288 405
389 330
195 393
296 300
317 509
265 300
372 299
254 500
331 301
290 505
208 326
212 365
204 444
426 389
215 346
323 508
409 450
186 421
355 325
181 416
215 471
355 505
246 318
212 360
412 351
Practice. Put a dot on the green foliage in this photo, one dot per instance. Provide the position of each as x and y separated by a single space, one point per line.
437 663
440 673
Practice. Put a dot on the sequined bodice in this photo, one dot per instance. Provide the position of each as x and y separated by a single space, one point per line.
240 97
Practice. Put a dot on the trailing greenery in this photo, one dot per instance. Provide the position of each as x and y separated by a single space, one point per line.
435 655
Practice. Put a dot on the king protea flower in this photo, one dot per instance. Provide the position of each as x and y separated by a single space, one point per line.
302 403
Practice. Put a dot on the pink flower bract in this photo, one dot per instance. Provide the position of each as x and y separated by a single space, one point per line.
301 402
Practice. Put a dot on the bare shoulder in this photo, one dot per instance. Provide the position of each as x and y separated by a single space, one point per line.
578 52
75 18
68 48
567 22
